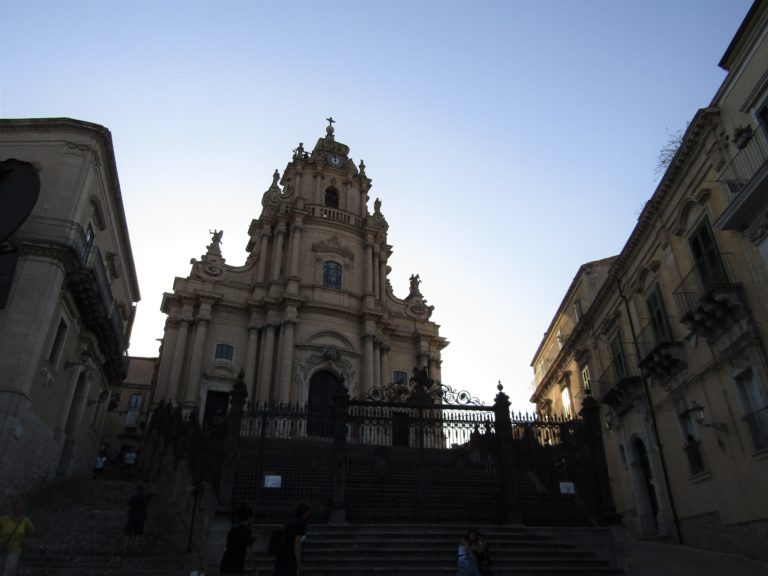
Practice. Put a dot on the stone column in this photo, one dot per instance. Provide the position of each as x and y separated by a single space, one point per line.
376 365
163 390
196 362
382 280
376 275
386 376
178 361
277 257
288 391
265 374
367 382
368 267
434 368
295 255
263 254
250 361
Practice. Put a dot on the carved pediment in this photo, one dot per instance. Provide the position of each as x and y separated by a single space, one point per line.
333 246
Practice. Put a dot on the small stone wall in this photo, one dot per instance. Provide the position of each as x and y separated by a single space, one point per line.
709 533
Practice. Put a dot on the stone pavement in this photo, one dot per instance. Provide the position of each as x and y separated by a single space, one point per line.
645 558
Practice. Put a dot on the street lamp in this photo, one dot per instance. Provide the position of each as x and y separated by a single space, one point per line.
696 411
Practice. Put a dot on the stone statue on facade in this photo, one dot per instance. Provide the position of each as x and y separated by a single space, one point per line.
415 281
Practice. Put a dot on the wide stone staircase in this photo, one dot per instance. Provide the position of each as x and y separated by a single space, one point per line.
430 550
79 532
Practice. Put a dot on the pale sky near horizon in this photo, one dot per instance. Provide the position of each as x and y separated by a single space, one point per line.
509 141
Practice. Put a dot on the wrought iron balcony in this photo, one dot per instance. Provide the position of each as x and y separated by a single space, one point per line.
707 299
334 215
90 288
89 283
747 179
661 356
620 382
750 161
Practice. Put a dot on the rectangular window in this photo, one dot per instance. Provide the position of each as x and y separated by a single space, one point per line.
753 401
706 257
58 343
585 378
659 318
224 352
400 378
577 314
565 394
332 274
617 357
134 411
691 445
88 242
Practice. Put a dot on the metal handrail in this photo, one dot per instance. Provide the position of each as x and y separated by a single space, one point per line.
620 369
752 155
701 279
652 336
55 232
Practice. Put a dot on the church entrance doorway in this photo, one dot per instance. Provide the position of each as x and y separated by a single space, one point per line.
216 407
320 405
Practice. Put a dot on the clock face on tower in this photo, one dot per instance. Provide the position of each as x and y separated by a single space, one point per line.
335 160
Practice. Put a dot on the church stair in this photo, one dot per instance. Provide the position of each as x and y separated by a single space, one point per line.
431 550
79 532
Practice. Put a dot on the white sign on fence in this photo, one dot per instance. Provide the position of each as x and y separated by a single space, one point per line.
567 488
273 481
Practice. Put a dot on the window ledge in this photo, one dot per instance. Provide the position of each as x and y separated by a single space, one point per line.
761 454
700 477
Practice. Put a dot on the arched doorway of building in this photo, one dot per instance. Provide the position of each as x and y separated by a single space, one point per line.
320 404
72 425
646 497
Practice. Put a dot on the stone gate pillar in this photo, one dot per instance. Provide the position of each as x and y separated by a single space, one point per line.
600 498
338 514
234 422
504 458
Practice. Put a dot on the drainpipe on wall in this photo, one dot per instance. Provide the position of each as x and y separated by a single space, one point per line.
653 417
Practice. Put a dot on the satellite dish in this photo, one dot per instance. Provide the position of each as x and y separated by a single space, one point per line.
19 189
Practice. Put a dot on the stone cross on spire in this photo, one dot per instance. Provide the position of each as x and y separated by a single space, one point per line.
329 128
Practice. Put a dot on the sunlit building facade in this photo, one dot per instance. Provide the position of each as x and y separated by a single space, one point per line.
675 339
66 318
311 308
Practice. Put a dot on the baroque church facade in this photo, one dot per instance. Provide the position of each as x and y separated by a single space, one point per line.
311 307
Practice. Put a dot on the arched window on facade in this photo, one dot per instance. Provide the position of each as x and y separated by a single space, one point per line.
332 198
332 274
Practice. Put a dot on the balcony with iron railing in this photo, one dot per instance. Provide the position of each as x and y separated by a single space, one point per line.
88 282
707 298
334 215
746 177
620 382
661 355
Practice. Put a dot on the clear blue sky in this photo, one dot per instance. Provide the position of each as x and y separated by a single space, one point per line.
509 141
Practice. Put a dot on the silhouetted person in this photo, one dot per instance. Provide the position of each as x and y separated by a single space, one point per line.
239 544
137 514
290 560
